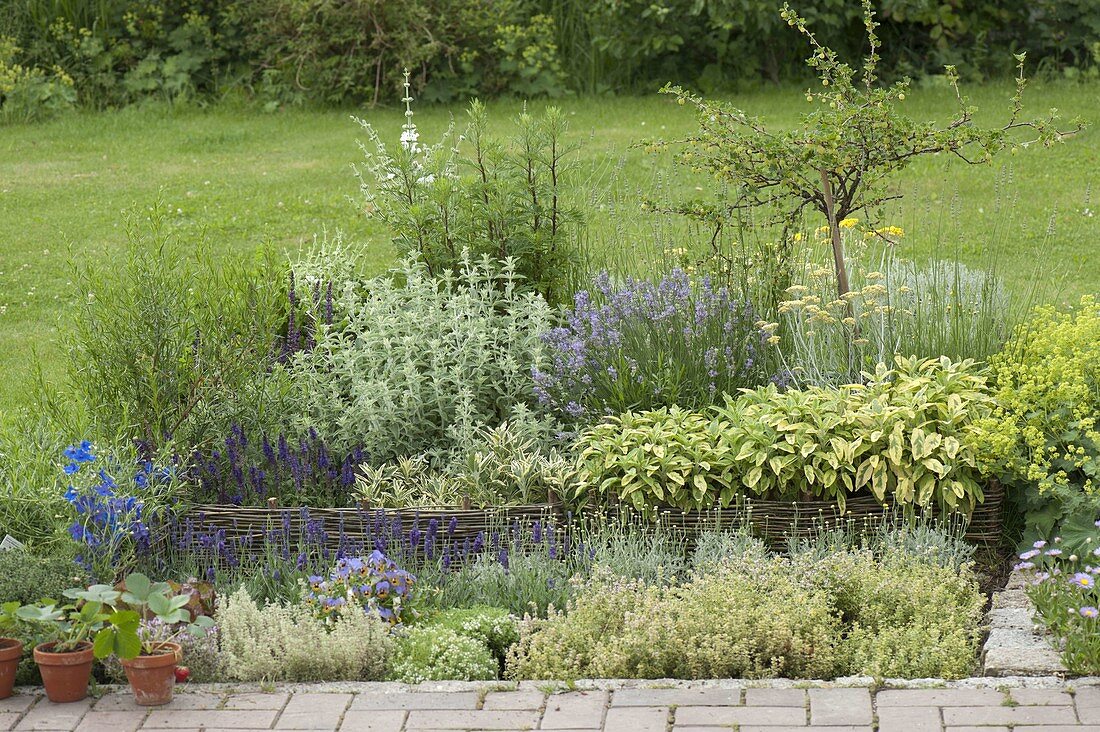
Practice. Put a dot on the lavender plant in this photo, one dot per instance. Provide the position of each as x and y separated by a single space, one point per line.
292 470
641 345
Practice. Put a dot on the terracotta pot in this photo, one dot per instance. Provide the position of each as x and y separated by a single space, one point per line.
11 653
65 675
153 677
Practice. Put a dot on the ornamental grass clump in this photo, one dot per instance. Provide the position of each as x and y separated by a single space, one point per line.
647 345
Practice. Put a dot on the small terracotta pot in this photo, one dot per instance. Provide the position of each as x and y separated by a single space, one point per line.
153 677
65 675
11 653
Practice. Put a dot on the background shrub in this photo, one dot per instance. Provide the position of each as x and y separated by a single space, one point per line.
170 348
26 579
291 51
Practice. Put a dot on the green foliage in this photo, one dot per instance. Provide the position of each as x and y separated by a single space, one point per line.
28 94
1048 391
295 51
493 626
504 199
667 457
169 349
419 366
907 436
434 653
25 578
915 435
32 506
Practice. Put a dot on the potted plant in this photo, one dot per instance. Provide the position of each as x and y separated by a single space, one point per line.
65 661
11 649
142 633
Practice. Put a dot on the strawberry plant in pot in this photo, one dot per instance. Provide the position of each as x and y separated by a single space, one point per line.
143 636
65 659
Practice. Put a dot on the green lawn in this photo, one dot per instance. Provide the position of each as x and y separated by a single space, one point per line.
247 178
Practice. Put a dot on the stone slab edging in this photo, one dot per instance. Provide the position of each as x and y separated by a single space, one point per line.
1017 644
553 687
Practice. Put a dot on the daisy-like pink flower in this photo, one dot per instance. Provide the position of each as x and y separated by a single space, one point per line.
1090 612
1083 580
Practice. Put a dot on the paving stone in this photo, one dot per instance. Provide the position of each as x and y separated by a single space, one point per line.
47 715
909 719
95 721
775 697
729 716
422 719
1008 715
18 703
1011 599
575 710
374 720
840 706
977 729
843 728
221 718
636 719
416 700
1016 652
502 700
676 697
8 720
313 711
1088 715
187 700
274 700
121 701
1040 697
1086 696
938 698
1058 728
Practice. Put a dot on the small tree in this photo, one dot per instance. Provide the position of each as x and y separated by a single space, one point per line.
837 160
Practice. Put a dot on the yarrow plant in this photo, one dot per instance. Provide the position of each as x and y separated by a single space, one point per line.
374 583
1065 587
647 345
112 520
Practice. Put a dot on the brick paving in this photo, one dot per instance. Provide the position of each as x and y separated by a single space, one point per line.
670 708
